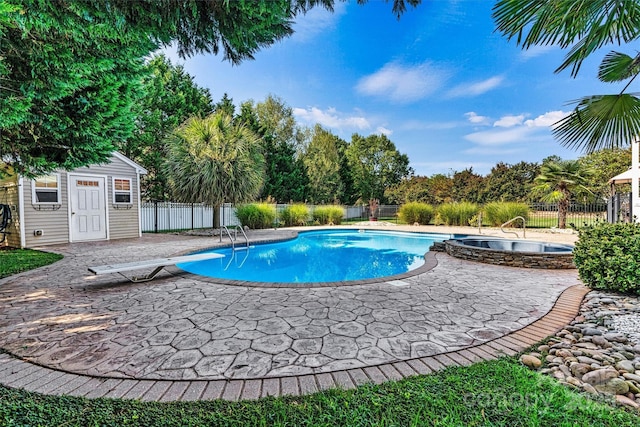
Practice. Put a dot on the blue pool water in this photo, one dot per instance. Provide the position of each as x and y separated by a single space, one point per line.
321 256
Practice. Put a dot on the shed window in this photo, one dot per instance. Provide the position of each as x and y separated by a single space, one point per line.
122 190
46 190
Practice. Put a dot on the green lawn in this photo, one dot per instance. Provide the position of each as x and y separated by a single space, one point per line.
498 393
14 261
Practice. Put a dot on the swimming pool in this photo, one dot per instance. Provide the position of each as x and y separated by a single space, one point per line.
322 256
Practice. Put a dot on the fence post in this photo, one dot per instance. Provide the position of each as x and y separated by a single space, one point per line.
155 216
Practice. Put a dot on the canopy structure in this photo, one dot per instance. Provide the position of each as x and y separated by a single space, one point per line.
624 178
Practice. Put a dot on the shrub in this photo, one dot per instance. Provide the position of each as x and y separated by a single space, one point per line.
328 214
297 214
497 213
256 215
457 213
608 256
413 212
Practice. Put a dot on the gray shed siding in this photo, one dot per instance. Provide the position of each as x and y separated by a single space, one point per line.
54 223
9 196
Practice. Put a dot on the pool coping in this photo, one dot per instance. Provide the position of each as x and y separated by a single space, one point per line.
430 263
19 373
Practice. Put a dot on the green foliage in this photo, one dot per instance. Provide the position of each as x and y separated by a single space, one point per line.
608 256
510 183
256 215
328 214
323 160
69 74
214 160
13 261
605 164
285 174
413 212
297 214
468 186
170 97
457 213
375 165
497 213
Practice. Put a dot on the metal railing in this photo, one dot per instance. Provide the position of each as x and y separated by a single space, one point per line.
524 226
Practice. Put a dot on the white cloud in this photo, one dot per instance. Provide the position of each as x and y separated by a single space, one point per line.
384 131
331 118
316 21
475 88
547 119
535 51
509 121
513 129
403 84
499 137
476 119
413 125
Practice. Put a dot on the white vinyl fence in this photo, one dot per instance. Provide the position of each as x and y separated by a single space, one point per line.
170 216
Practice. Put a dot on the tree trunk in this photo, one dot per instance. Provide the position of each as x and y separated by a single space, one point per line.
563 208
216 217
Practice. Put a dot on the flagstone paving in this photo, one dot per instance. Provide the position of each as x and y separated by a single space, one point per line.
162 336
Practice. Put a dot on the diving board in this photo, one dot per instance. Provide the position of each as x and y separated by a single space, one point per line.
159 264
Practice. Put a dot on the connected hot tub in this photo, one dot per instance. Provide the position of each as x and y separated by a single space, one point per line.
515 253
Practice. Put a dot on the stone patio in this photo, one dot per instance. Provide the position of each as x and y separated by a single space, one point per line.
179 330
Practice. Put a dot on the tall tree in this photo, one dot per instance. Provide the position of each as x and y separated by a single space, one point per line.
583 27
605 164
69 69
375 165
68 77
215 161
468 186
322 160
170 97
286 178
558 182
510 183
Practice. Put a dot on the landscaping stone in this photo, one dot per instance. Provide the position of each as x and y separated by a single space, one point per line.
530 361
599 352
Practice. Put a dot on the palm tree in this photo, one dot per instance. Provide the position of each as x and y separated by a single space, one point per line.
558 181
598 121
214 160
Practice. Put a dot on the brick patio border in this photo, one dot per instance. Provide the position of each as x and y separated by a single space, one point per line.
17 373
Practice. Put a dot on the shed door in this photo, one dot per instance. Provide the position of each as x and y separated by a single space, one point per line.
88 208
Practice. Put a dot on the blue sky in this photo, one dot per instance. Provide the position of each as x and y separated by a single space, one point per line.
440 83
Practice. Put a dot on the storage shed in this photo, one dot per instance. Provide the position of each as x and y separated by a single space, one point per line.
97 202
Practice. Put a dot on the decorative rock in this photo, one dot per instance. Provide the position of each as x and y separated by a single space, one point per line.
589 388
613 386
600 376
632 387
574 381
632 377
591 331
587 360
564 353
530 361
625 365
579 369
615 336
543 348
624 400
601 341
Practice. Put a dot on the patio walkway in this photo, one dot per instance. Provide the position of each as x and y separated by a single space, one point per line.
181 338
